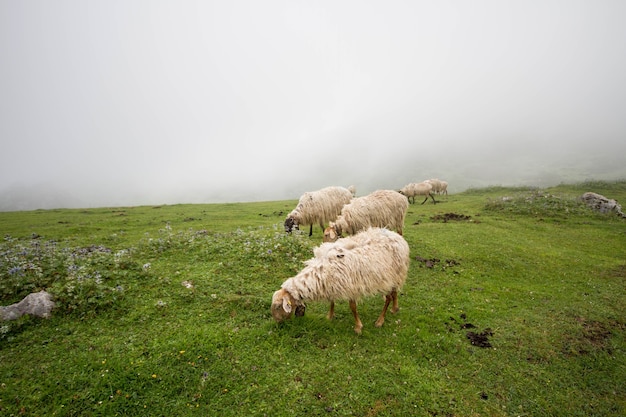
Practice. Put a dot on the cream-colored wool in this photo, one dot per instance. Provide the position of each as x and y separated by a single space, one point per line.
374 261
439 186
444 188
418 188
382 208
318 207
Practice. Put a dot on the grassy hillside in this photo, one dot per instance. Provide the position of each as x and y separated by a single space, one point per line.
513 306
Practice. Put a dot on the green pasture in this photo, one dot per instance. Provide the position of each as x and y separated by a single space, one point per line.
514 306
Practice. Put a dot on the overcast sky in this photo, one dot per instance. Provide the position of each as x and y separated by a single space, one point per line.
106 103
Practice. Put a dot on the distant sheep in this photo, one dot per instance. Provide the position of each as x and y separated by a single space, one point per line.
420 188
374 261
444 188
319 207
382 208
439 187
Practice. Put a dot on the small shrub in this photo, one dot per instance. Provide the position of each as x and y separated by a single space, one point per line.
82 280
538 203
28 266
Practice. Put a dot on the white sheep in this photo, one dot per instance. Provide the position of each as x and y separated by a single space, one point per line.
382 208
319 207
418 188
374 261
444 188
439 186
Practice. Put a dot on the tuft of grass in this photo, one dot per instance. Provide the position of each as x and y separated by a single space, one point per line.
507 310
539 203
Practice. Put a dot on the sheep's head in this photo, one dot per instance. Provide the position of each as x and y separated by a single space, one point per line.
284 305
290 224
330 233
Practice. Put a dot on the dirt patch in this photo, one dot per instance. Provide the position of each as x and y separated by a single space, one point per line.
431 262
450 217
478 339
593 336
274 214
617 272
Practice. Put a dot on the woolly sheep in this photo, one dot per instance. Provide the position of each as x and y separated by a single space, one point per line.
374 261
439 187
319 207
421 188
382 208
444 188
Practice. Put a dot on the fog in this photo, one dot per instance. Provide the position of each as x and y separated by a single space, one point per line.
116 103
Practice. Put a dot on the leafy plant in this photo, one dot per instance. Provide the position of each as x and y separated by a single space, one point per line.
82 280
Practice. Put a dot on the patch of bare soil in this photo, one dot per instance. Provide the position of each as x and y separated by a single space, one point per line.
593 336
274 214
450 216
431 262
617 272
478 339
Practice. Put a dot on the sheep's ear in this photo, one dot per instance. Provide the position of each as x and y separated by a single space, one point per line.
287 304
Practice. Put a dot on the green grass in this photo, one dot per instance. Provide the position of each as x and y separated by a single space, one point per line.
542 275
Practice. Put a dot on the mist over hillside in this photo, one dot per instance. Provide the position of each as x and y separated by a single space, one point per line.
162 102
461 168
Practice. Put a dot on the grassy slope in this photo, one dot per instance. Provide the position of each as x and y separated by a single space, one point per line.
550 287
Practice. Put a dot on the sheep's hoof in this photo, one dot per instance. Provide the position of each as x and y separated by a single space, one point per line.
379 322
358 328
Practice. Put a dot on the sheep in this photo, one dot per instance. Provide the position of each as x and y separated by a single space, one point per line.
444 188
319 206
422 188
374 261
382 208
439 187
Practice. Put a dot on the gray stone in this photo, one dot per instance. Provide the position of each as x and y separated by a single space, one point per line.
38 304
602 204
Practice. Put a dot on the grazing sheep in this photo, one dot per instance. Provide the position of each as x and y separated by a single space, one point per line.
444 188
421 188
374 261
382 208
352 189
439 187
319 206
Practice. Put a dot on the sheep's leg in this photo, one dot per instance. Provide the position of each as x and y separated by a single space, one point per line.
431 196
426 199
358 326
394 307
331 312
311 230
381 318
